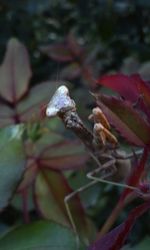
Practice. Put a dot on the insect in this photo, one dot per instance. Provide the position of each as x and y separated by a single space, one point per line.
113 165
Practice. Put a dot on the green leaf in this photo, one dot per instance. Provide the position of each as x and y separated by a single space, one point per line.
12 162
144 244
40 235
15 72
46 142
29 107
50 191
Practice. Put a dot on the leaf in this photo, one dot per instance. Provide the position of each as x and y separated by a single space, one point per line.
126 120
29 176
51 188
29 107
125 85
46 142
50 191
144 90
70 71
58 52
68 155
144 244
115 239
15 72
18 104
12 163
40 235
133 88
55 152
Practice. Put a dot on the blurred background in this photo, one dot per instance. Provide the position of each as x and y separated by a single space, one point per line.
78 41
113 34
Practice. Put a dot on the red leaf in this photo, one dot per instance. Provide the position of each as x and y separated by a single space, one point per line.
15 72
135 176
126 86
132 88
29 176
115 239
126 120
68 155
54 152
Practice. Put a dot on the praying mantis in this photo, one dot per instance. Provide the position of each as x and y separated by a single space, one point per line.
113 165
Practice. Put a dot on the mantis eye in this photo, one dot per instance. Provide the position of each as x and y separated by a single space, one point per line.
60 101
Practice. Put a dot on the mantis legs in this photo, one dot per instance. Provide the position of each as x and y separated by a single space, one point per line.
100 143
79 190
107 170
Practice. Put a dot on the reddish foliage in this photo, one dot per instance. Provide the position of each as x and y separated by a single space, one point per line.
125 119
132 88
47 157
52 151
43 110
18 103
131 117
124 85
115 239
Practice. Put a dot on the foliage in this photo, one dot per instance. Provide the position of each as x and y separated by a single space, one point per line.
41 162
46 153
44 235
115 239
